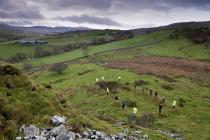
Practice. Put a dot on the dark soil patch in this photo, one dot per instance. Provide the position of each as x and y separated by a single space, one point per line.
113 86
163 67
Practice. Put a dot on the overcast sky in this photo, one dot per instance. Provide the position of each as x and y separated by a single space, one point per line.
122 14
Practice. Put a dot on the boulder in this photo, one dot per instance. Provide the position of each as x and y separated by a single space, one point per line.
30 132
57 120
121 136
58 130
72 135
18 138
64 136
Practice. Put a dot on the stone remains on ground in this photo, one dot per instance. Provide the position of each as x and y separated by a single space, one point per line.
59 132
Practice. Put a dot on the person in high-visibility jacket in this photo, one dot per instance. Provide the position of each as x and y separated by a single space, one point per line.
97 80
119 78
102 78
174 104
107 90
134 113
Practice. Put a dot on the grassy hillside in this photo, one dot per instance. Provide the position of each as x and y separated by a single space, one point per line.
6 35
10 48
180 47
81 91
75 93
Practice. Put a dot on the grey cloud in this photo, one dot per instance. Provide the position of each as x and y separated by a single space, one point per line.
18 9
91 20
77 4
163 4
18 23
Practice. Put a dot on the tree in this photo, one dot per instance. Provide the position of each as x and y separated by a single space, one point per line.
18 57
59 68
85 50
40 52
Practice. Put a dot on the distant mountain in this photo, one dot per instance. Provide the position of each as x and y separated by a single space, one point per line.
40 29
181 25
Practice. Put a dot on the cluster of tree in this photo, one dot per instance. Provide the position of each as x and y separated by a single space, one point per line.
18 57
174 36
121 35
198 35
102 40
59 68
69 47
40 52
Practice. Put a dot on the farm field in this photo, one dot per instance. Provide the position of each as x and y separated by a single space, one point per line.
178 69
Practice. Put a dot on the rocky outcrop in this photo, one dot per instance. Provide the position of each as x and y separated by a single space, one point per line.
59 132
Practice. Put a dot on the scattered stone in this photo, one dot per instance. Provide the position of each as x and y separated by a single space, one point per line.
58 130
57 120
60 133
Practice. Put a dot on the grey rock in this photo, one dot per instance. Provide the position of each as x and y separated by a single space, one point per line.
78 136
30 131
40 138
58 130
173 135
72 135
121 136
63 136
132 138
108 138
145 136
57 120
85 134
18 138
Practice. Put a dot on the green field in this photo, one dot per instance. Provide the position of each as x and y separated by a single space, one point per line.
76 95
180 47
103 104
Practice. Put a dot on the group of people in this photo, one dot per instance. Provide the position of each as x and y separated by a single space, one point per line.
136 84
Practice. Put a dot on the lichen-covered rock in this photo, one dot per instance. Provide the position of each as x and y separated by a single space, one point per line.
58 130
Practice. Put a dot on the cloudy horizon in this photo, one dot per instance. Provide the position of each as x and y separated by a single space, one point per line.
103 14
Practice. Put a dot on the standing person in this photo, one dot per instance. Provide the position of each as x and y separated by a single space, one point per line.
123 105
119 78
163 99
134 114
156 94
150 92
102 78
107 90
97 80
116 99
160 108
142 86
174 104
135 87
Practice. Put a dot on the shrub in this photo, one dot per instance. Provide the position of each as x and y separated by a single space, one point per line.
131 103
59 68
40 52
18 57
167 87
27 67
146 120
